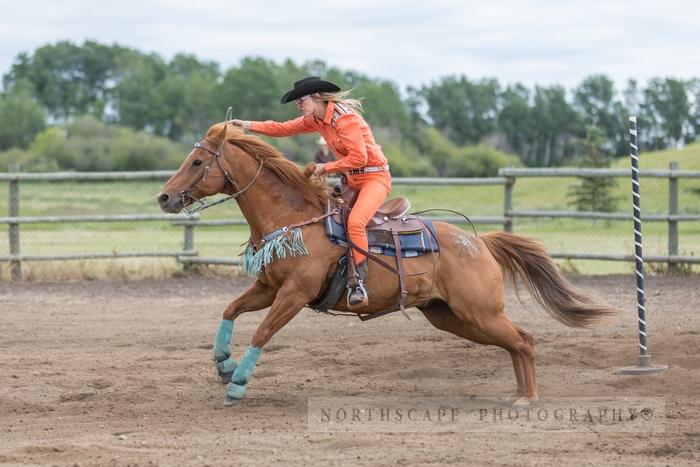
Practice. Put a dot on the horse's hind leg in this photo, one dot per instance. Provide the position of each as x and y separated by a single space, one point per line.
441 316
501 331
497 330
525 361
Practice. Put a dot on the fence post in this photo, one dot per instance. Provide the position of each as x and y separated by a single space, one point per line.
673 195
15 265
188 246
508 204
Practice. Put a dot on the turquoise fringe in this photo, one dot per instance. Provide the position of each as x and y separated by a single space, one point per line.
285 244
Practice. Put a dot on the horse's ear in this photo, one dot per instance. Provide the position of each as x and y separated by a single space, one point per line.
224 131
227 119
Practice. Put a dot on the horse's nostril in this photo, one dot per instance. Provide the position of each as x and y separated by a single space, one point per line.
163 198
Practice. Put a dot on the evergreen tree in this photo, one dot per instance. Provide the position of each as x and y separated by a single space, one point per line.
593 193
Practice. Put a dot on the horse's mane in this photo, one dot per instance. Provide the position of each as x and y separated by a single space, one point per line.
313 190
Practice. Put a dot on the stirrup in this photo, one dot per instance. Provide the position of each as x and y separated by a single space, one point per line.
357 296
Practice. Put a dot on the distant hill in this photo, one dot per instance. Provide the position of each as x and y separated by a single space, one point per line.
688 158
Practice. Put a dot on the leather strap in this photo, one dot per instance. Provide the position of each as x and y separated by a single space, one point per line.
376 314
372 256
402 278
352 276
313 220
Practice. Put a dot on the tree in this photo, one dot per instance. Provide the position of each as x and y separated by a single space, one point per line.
463 110
593 193
181 98
383 106
437 149
595 99
515 120
140 99
405 158
87 144
21 118
27 160
191 92
254 90
479 161
51 149
556 124
693 87
666 113
68 79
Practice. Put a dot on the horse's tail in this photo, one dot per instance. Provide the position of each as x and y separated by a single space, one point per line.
526 259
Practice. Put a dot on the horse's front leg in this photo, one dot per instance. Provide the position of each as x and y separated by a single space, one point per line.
289 301
257 297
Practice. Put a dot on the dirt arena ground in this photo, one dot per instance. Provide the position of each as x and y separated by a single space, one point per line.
119 373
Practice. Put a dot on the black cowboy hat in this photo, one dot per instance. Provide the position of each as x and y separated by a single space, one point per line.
306 86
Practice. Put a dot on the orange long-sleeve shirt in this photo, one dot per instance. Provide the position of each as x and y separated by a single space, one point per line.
347 134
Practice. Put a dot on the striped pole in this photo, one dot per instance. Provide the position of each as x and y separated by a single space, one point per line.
638 256
644 357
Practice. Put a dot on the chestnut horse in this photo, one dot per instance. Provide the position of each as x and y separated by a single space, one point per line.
460 291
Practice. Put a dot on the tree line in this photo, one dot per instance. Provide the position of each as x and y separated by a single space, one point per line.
62 102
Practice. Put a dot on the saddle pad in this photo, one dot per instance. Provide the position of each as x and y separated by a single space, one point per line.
381 242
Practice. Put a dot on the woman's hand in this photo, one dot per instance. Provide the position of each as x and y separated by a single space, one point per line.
245 124
319 169
314 170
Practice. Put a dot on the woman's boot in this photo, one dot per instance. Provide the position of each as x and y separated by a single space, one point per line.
357 293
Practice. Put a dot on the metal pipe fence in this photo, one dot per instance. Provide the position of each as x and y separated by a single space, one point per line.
95 200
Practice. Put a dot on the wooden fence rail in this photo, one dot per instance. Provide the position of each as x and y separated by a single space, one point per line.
188 254
672 217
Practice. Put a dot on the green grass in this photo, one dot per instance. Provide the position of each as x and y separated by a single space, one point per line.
687 158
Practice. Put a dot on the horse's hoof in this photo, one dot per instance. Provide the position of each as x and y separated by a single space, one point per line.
225 370
225 378
229 401
524 402
514 397
235 391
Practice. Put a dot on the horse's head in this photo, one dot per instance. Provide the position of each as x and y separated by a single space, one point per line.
223 157
201 173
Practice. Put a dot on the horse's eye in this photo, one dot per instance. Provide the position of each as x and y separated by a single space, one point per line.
197 162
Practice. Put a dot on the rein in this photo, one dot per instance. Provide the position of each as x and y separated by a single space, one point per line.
186 195
286 229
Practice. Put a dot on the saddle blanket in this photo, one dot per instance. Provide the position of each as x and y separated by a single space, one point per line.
382 243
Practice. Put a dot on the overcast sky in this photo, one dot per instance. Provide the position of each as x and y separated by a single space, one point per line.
410 43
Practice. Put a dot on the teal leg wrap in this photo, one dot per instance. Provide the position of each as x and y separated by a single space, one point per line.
242 374
226 367
221 354
222 341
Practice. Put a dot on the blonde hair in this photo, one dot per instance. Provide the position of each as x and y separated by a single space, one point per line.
340 97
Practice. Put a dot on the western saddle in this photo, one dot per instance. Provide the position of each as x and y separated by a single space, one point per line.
389 222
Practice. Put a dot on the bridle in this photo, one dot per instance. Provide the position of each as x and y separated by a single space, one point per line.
188 199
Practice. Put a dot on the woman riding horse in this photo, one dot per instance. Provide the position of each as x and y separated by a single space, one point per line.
328 110
460 291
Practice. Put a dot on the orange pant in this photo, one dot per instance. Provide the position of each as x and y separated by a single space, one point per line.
370 196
